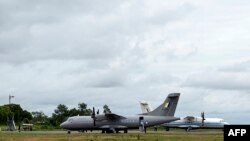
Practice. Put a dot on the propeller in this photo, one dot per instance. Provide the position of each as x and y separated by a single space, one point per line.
93 116
202 118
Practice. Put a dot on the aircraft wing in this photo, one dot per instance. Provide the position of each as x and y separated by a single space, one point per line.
112 116
109 116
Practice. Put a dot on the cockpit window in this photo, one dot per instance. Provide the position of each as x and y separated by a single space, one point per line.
70 119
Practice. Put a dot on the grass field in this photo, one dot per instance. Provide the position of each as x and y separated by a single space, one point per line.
151 136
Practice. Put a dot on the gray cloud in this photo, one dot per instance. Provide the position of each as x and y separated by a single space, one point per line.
231 77
79 30
120 52
243 66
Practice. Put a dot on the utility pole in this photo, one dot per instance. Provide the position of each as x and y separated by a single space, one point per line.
10 96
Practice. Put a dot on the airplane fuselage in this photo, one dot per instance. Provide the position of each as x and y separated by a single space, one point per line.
212 123
130 122
107 122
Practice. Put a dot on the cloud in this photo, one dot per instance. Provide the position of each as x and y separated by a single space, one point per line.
231 77
242 66
78 30
227 101
120 52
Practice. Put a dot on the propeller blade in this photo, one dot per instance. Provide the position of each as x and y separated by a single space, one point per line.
93 113
203 118
93 116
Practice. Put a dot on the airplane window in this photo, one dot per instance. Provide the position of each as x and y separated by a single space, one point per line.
70 120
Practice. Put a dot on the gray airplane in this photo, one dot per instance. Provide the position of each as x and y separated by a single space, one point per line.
111 122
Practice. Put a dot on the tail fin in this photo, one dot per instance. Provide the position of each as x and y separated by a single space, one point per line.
168 107
145 107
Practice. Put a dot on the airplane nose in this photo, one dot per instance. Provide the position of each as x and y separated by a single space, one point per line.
225 123
62 125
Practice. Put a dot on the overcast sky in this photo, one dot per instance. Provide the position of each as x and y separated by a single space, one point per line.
120 52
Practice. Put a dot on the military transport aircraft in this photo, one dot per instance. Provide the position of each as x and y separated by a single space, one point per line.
190 122
110 122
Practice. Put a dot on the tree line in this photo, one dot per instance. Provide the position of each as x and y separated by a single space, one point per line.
61 113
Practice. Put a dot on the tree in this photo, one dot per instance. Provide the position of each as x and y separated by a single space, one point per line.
82 107
26 114
39 117
13 110
73 112
61 110
106 109
4 113
60 114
